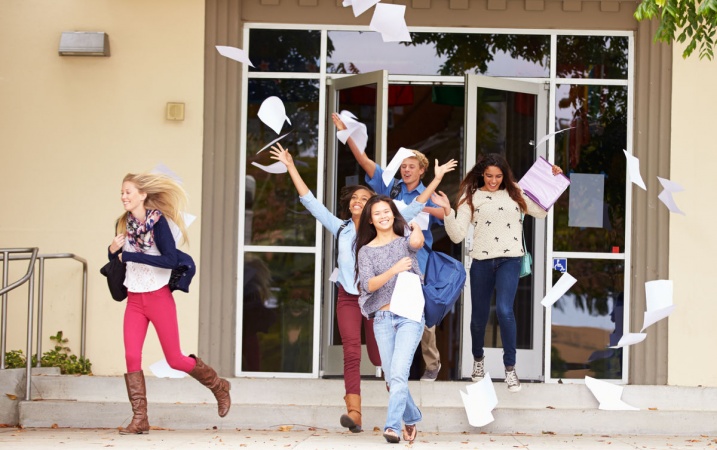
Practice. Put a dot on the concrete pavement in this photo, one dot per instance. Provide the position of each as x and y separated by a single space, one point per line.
299 437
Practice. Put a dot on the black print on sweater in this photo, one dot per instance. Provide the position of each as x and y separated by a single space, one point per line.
489 197
484 252
487 222
505 251
500 208
508 225
496 238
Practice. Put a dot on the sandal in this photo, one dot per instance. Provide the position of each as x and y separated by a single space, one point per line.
409 433
391 436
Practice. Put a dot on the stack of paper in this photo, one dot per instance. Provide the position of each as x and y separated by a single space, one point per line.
541 186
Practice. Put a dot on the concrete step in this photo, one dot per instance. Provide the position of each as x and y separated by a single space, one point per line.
101 402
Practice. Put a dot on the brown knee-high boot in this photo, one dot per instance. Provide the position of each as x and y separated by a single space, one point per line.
137 393
219 386
352 420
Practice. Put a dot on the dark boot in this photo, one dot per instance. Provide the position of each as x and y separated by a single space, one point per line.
219 386
352 420
137 393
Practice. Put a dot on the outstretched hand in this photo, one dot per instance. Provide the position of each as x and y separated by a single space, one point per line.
557 170
441 200
282 155
445 168
338 122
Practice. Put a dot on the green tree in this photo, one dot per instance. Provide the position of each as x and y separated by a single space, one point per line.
683 21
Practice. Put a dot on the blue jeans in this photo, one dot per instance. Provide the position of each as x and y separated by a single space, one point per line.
501 274
397 339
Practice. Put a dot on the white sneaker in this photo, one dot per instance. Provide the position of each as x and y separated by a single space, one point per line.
511 379
431 375
478 369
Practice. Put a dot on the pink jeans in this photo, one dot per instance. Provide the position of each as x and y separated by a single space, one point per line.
157 307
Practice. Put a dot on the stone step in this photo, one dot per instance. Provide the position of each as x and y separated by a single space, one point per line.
101 402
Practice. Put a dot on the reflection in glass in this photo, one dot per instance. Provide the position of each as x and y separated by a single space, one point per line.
284 50
278 317
594 146
275 216
592 57
587 320
499 55
506 124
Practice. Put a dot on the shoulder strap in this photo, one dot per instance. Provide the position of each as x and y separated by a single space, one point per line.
395 189
338 234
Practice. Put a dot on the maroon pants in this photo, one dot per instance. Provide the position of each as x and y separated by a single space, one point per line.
348 315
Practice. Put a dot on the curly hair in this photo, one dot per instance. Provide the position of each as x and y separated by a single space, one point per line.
164 194
422 161
474 181
345 198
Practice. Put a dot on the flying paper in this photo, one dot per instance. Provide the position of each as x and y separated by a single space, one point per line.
565 282
161 369
480 401
395 164
334 277
670 187
541 186
633 170
359 6
354 130
422 219
277 167
608 395
234 53
188 218
273 142
658 299
548 136
390 22
407 298
629 339
273 113
163 169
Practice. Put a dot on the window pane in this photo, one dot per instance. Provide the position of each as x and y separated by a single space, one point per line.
284 50
278 312
587 320
590 217
274 214
499 55
592 57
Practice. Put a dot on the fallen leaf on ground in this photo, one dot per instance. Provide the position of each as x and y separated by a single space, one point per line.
11 396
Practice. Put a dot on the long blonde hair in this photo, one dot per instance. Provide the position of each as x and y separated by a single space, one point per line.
164 194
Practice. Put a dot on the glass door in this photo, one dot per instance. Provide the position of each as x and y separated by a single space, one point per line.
508 117
365 96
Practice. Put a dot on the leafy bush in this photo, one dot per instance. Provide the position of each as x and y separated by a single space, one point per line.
60 356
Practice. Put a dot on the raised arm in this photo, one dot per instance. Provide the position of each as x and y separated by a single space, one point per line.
440 171
364 161
283 155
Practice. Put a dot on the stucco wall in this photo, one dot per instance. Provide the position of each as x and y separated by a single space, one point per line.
72 127
692 240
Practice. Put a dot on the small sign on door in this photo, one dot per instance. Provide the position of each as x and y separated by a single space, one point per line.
560 264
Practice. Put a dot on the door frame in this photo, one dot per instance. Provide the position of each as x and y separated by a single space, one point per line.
531 360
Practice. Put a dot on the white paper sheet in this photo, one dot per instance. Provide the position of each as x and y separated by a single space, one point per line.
395 164
355 130
422 219
163 169
234 53
273 142
334 275
277 167
587 199
608 394
633 170
565 282
666 198
188 218
630 339
541 185
161 369
548 136
658 301
273 113
389 20
670 185
407 298
479 402
359 6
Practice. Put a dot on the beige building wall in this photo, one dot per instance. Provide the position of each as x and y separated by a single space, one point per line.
72 127
692 239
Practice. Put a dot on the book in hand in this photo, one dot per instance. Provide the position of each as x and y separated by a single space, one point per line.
541 186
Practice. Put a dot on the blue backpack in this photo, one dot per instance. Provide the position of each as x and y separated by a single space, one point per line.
442 285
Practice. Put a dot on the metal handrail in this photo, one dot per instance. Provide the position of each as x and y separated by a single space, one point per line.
40 296
30 289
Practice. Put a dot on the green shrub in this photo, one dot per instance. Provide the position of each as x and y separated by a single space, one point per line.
60 356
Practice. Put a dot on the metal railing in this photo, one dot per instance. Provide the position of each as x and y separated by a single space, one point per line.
8 255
